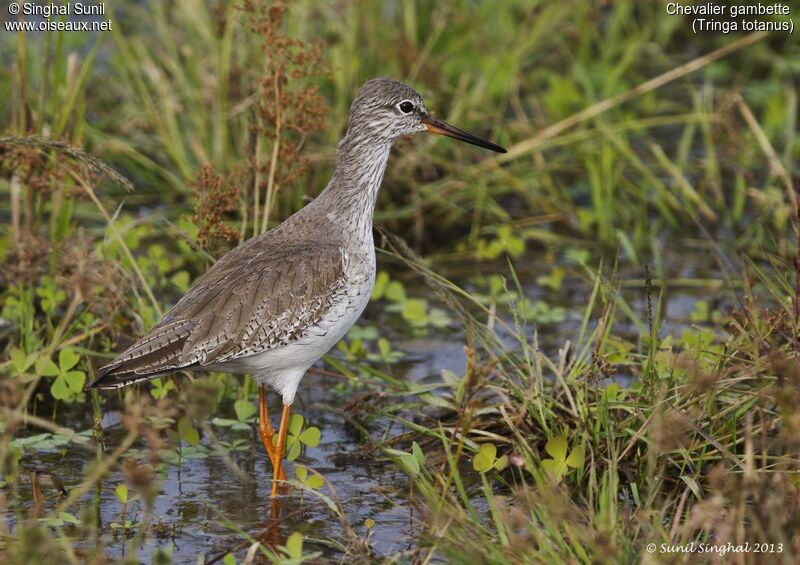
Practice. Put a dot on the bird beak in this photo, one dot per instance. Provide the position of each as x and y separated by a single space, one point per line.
443 128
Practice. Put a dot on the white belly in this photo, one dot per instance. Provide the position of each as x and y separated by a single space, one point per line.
282 368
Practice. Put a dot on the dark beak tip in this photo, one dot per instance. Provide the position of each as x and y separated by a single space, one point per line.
443 128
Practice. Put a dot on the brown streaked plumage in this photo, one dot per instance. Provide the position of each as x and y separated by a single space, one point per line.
277 303
247 303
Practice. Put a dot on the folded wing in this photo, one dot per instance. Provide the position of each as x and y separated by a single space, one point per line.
247 303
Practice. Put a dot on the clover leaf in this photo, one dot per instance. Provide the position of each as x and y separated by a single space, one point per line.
294 547
50 295
486 459
311 480
68 383
244 414
161 387
122 493
21 362
296 437
557 448
187 431
410 463
244 409
60 520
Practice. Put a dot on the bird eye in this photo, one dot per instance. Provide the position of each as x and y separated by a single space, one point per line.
406 106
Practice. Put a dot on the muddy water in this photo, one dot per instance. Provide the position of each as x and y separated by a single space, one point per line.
204 508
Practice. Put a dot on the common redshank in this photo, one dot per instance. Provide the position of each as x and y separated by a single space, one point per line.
273 306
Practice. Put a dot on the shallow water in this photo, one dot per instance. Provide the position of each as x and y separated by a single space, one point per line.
198 496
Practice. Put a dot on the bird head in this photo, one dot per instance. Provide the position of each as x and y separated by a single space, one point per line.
388 109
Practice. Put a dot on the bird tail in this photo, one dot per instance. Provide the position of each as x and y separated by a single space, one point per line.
111 378
156 354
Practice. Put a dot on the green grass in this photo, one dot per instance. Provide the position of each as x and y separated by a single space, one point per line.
643 159
694 449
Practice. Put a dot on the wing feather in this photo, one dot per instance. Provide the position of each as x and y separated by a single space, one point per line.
244 305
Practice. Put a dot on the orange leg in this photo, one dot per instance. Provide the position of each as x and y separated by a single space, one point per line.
277 462
265 430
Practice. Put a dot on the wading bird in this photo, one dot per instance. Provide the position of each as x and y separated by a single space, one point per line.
273 306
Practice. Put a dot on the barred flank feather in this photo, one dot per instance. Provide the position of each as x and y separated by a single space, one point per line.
263 295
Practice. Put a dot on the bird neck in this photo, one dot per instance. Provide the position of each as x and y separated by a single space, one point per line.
350 197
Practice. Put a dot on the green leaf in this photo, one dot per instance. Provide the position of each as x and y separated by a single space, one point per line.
501 463
294 546
438 318
415 310
315 481
557 448
484 460
364 333
224 422
294 451
407 461
244 409
161 387
489 450
311 436
381 282
53 522
68 518
20 361
187 432
416 450
395 292
356 345
611 392
410 463
67 359
576 458
181 280
481 463
295 424
553 468
311 480
59 389
75 380
229 559
26 377
45 367
122 492
701 311
17 357
554 280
